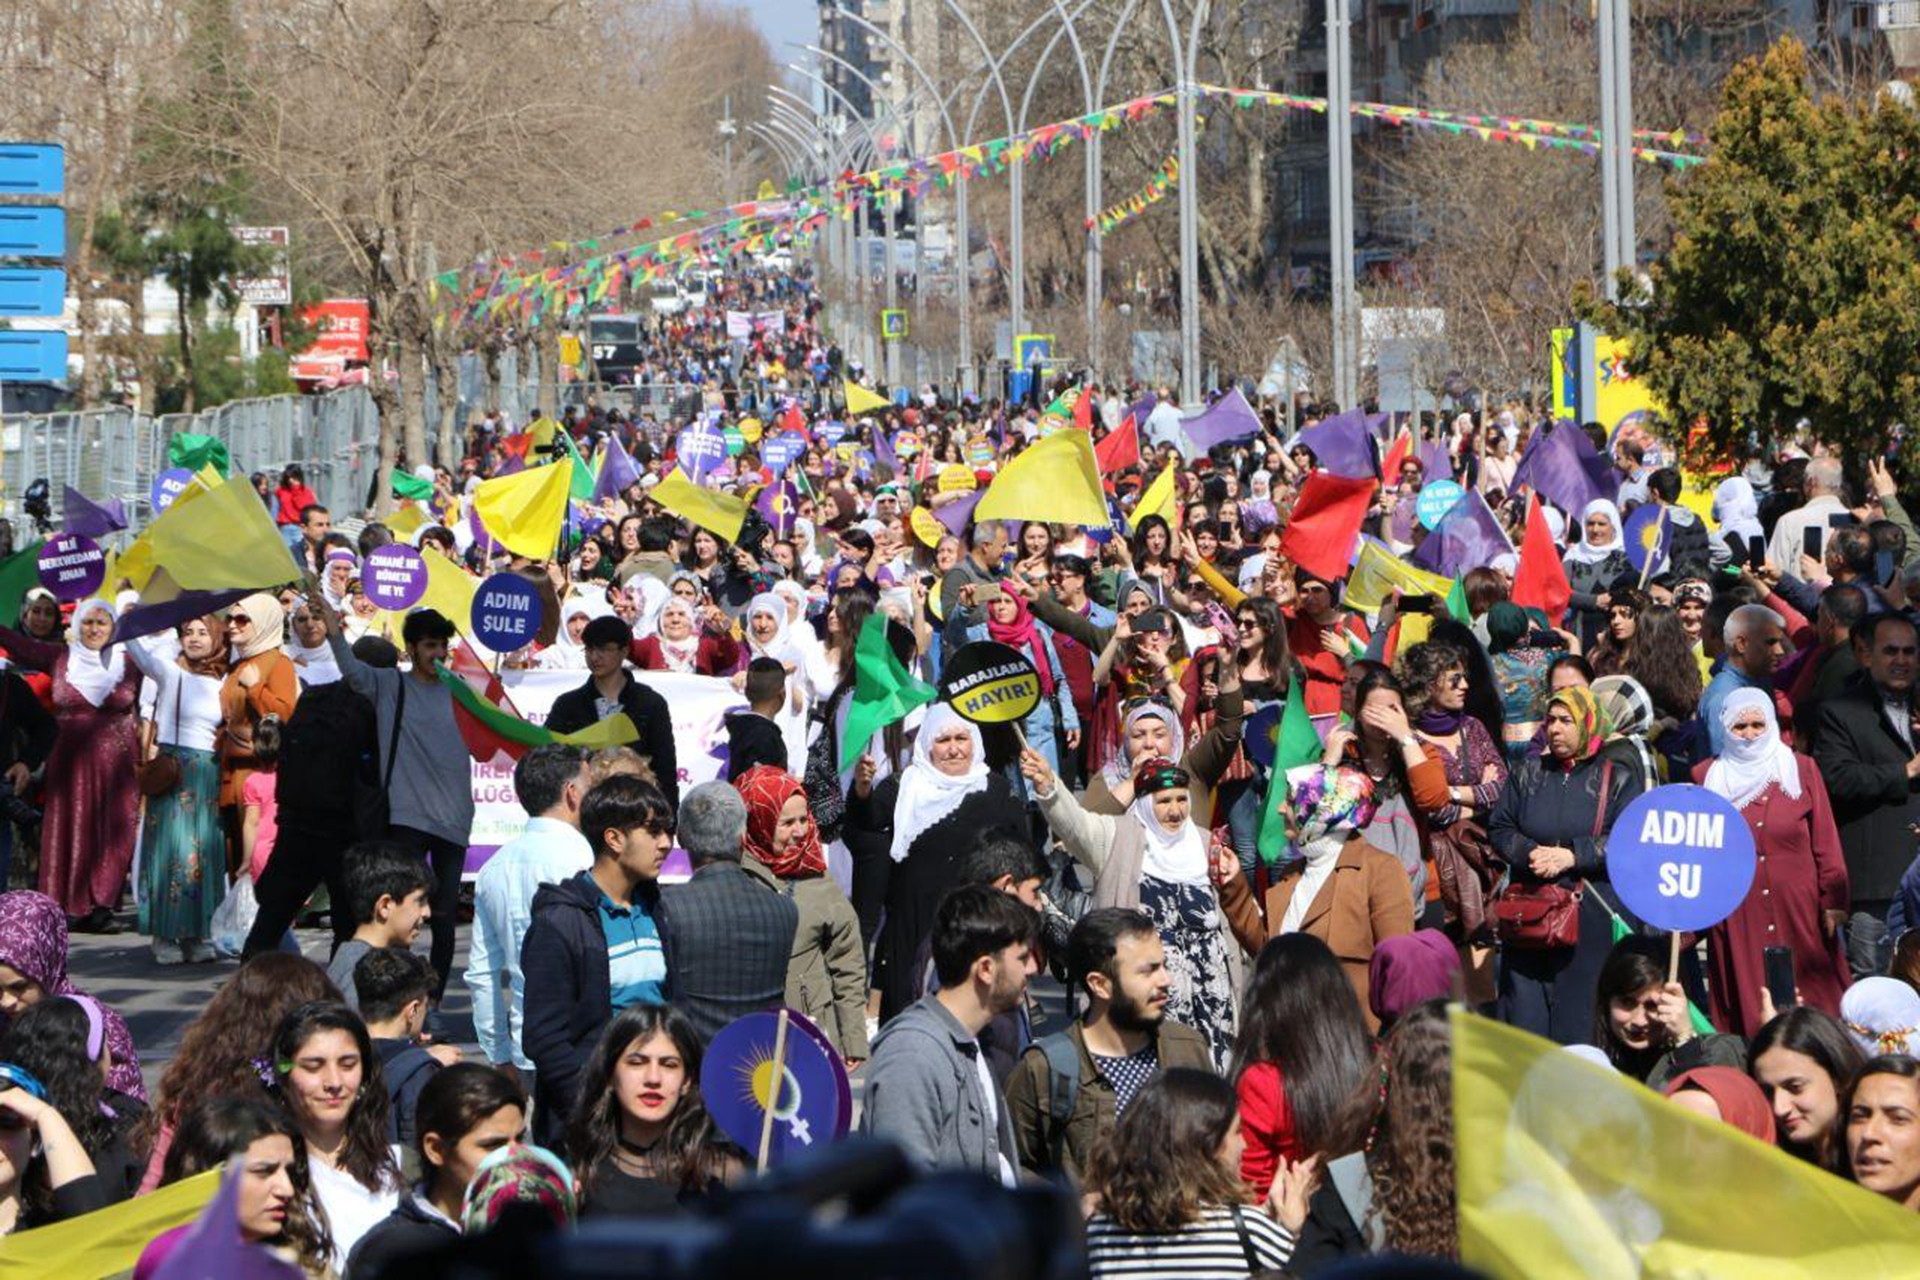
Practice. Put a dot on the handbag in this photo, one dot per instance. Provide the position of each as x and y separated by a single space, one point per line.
821 779
158 773
1538 916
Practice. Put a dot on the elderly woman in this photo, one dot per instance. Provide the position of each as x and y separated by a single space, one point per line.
770 633
262 682
1593 565
1342 890
1154 859
1151 730
86 844
183 862
934 808
690 639
1550 826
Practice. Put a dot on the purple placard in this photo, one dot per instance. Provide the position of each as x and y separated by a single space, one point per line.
394 576
830 431
700 448
72 566
782 451
167 486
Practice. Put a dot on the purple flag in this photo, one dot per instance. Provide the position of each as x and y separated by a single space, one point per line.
213 1246
778 504
1563 467
1344 445
151 619
955 515
1141 408
883 447
1466 536
1435 461
84 516
1226 420
617 471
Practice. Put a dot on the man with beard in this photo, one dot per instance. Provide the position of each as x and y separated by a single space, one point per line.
1072 1087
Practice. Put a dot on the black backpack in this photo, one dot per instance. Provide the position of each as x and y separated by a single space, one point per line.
330 753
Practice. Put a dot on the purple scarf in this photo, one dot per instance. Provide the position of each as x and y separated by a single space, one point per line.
1436 723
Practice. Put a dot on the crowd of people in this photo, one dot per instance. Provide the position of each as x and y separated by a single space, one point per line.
1252 1072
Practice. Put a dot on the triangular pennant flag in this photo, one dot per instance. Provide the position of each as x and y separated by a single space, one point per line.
220 540
1158 499
1120 449
884 691
192 451
408 487
525 511
81 515
1055 480
1540 581
861 400
1296 744
618 471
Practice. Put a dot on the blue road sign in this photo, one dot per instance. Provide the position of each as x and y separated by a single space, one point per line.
32 168
32 291
33 355
33 231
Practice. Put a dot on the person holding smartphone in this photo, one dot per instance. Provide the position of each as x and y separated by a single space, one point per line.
1800 889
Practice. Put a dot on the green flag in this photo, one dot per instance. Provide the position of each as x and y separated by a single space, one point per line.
584 477
186 449
410 488
1298 744
883 691
19 574
1457 601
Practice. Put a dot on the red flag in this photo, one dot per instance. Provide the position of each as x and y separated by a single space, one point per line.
1540 582
793 420
1326 520
1396 454
1119 450
482 743
1083 411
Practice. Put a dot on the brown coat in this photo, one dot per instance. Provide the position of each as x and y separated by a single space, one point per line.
242 708
1365 900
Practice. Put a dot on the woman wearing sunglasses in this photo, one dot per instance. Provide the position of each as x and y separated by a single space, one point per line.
261 682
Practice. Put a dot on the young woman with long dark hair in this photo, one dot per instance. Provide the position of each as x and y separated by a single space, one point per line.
62 1042
1167 1191
1802 1060
1641 1021
276 1204
641 1142
326 1077
1302 1049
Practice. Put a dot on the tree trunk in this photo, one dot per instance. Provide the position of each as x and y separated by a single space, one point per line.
490 357
182 316
413 385
546 340
446 374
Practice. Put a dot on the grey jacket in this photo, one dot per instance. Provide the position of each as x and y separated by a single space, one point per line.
924 1092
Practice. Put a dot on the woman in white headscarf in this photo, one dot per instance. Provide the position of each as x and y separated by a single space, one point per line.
86 843
686 642
340 569
1800 890
1593 564
1154 859
262 682
770 633
1737 511
567 652
650 596
943 799
307 645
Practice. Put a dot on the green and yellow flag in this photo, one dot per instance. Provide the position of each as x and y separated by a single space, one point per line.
1295 744
1565 1168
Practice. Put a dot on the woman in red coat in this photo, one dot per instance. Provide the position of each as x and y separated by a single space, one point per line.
680 644
294 496
1799 892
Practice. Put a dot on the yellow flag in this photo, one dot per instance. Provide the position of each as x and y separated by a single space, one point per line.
216 541
1378 571
1056 480
525 511
861 400
1158 500
450 591
407 521
720 514
1567 1169
109 1241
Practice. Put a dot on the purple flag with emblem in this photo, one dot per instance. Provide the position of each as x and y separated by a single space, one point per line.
1343 445
1225 421
82 515
617 471
778 504
1563 467
1466 536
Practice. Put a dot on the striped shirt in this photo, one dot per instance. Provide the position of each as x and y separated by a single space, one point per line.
636 963
1209 1248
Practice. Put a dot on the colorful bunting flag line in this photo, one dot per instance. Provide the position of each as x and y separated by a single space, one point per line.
1157 188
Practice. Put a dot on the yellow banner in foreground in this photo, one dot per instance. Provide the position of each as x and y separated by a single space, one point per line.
108 1242
1378 571
1568 1169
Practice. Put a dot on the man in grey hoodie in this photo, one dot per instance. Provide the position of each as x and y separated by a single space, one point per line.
928 1084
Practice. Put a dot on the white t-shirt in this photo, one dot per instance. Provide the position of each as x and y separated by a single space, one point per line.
991 1093
351 1209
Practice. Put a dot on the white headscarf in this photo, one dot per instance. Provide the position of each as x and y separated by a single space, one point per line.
336 600
653 595
679 653
269 621
317 665
1736 510
1882 1015
1584 552
926 794
565 653
93 673
1119 768
1745 769
1171 857
782 648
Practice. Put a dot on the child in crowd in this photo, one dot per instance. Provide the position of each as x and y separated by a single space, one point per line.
388 891
260 818
393 987
753 737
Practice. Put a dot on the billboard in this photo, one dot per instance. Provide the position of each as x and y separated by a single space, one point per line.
273 287
340 340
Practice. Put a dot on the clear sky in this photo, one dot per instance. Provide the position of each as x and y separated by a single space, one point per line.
784 20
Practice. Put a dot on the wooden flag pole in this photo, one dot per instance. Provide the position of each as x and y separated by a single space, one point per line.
773 1088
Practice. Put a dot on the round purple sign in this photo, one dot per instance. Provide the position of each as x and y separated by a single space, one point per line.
394 576
167 486
72 566
700 449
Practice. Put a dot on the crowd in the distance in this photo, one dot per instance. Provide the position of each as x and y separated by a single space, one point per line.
1252 1072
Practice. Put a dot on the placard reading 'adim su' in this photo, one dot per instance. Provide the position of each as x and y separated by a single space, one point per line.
1681 857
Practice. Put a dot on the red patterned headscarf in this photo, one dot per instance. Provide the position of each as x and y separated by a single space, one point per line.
766 791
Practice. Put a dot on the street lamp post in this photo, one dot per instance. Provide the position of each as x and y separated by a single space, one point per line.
1072 34
1187 58
1340 232
1613 31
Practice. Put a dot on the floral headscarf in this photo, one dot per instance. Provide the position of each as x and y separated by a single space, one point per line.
766 791
1329 799
518 1174
33 943
1588 719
